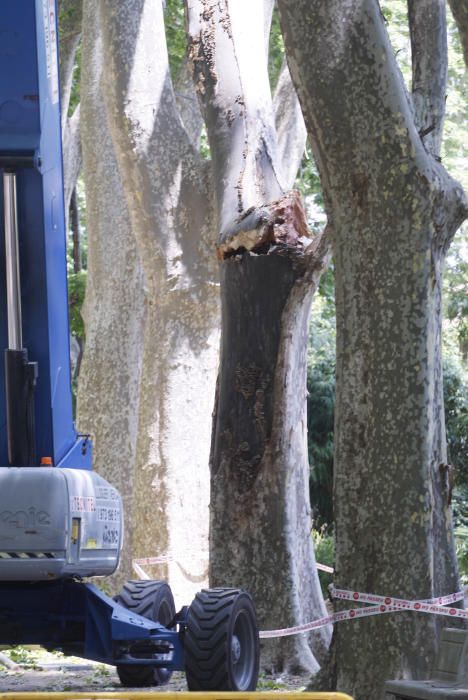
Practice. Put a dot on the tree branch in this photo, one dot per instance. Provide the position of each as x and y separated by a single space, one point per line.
290 127
187 103
70 23
72 157
427 22
231 78
460 14
269 6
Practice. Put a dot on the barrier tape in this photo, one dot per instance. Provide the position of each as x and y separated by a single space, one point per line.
138 564
324 567
379 605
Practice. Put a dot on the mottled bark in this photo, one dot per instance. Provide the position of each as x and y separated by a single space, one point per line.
460 13
394 211
168 196
115 304
260 514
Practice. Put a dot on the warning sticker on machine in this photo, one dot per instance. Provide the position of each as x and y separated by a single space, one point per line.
50 34
83 504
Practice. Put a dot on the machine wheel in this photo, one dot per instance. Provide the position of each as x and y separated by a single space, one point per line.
221 641
154 600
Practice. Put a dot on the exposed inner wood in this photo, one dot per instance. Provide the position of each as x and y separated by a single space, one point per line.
281 223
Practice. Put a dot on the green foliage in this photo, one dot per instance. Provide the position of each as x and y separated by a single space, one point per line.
76 294
321 401
276 50
270 684
324 546
175 35
456 295
22 655
461 546
456 418
320 418
460 518
455 143
75 91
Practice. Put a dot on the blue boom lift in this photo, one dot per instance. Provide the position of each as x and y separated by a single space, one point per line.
59 521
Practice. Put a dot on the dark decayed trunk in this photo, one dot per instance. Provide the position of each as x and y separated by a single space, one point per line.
260 514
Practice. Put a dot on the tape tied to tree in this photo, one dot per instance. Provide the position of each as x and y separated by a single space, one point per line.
379 605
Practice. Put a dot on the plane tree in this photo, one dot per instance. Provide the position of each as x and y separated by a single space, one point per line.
269 269
394 211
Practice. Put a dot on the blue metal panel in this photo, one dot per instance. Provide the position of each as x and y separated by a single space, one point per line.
30 121
81 620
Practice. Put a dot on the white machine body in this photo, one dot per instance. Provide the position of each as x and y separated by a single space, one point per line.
58 523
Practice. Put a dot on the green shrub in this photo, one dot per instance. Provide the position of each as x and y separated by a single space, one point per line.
324 546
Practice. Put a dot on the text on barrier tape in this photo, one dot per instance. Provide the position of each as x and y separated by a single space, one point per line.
379 605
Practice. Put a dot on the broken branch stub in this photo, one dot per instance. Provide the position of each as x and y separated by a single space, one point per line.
260 230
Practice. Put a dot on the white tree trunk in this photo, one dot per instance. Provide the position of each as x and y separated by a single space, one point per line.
167 193
115 306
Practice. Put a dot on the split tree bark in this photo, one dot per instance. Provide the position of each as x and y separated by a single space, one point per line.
260 514
394 211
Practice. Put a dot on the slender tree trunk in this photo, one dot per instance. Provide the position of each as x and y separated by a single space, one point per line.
394 211
70 26
260 514
76 232
115 306
460 14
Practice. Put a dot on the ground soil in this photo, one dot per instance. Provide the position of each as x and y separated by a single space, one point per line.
40 671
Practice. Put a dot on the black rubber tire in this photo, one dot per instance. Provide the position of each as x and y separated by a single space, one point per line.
154 600
221 641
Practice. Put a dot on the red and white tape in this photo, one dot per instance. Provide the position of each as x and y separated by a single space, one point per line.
379 605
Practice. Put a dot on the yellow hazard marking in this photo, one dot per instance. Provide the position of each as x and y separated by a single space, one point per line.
122 695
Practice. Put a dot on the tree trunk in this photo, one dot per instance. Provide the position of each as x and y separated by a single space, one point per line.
76 232
260 530
70 26
168 196
115 309
460 15
260 514
394 211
